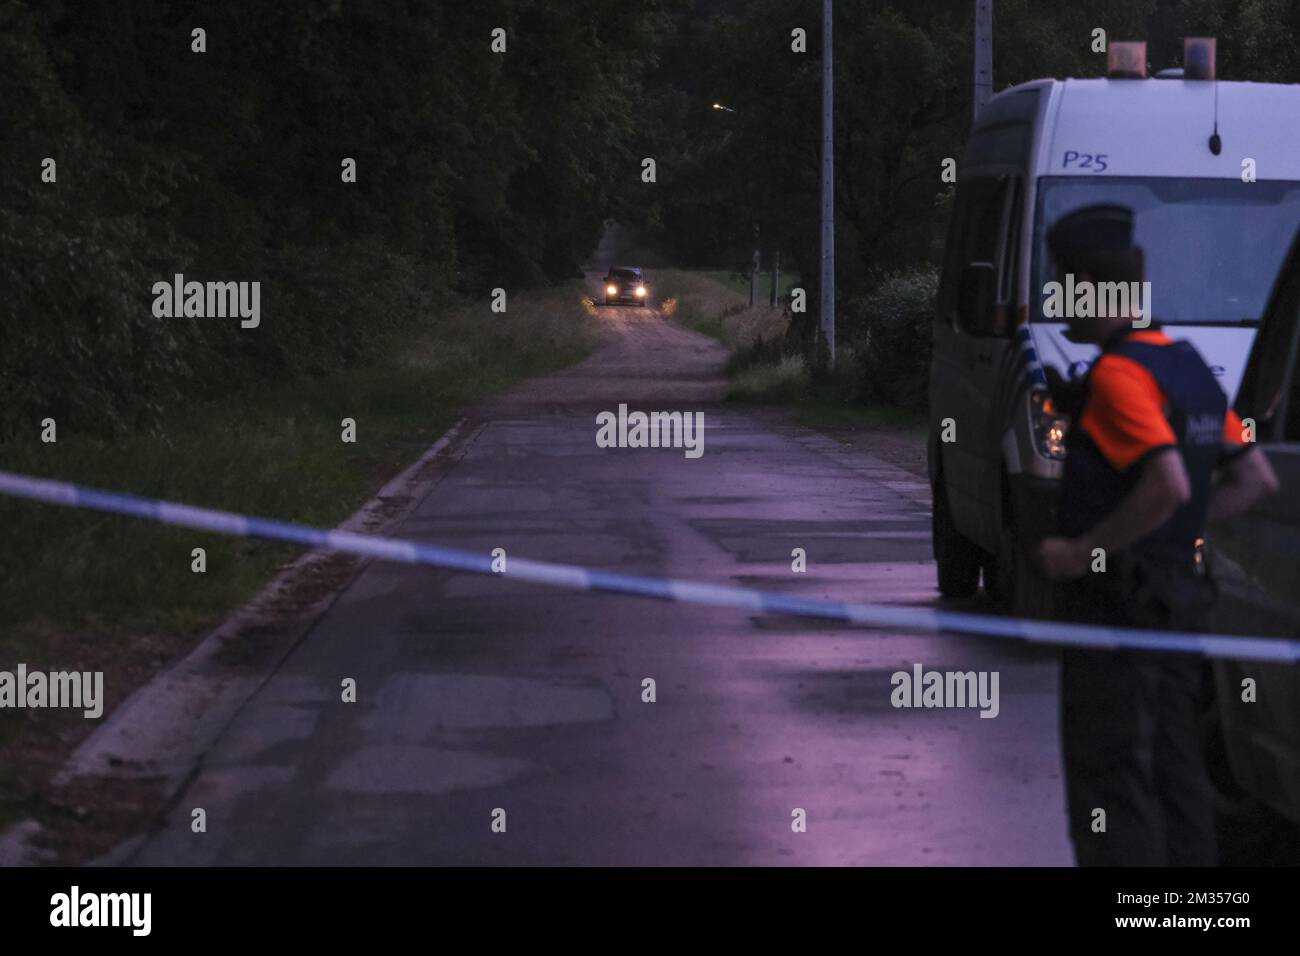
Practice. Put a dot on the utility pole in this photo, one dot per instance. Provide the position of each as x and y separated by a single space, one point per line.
754 268
983 53
828 192
776 277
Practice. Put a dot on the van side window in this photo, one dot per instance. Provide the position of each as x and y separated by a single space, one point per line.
985 227
984 220
954 251
982 242
1010 244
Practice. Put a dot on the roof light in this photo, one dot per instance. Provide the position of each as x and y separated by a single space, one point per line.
1198 58
1127 60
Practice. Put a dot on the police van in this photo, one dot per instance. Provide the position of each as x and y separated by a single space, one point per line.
1212 172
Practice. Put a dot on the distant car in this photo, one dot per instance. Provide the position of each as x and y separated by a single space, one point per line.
625 284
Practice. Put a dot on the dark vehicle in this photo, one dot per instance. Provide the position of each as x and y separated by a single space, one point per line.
625 284
1255 559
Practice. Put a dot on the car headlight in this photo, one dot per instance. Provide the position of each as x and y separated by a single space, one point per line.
1049 425
612 289
640 290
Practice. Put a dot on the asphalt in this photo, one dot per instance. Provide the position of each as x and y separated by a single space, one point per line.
481 694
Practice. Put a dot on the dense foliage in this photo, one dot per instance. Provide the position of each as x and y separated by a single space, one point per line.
903 104
474 170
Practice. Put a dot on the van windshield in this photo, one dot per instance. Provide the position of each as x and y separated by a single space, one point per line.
1213 246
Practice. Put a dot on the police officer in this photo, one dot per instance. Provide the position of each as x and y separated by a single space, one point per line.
1153 452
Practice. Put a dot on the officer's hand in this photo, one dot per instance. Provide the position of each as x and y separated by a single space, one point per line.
1063 559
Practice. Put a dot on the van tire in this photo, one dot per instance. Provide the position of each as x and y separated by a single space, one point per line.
1014 583
957 557
1011 578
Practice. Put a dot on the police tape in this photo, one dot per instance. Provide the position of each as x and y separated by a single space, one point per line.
667 589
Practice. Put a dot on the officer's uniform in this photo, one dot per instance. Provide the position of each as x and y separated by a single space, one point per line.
1129 720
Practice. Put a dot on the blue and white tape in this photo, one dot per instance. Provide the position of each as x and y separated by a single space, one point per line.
687 592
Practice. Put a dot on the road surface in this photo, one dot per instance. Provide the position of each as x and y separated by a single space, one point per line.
481 694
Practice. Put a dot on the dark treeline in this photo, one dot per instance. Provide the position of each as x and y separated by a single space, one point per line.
475 170
903 77
903 104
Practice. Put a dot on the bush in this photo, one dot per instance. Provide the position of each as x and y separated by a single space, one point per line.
78 257
889 329
169 163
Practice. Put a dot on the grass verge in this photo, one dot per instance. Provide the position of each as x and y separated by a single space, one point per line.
759 372
86 591
700 301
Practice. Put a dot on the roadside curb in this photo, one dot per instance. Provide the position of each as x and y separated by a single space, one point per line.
161 731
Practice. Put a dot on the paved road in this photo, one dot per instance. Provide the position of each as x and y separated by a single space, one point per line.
480 693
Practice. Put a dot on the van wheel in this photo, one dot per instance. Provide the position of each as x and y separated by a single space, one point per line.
958 558
1012 580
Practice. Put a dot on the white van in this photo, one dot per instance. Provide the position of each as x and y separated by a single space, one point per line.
1212 171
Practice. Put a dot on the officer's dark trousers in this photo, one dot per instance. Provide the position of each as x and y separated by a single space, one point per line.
1132 749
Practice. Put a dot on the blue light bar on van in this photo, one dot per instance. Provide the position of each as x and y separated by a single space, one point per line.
1198 58
1127 60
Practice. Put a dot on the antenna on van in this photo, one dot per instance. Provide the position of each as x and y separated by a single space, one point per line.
1216 144
1198 64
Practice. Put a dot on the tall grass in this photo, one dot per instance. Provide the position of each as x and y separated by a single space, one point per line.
86 591
700 301
275 451
882 359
